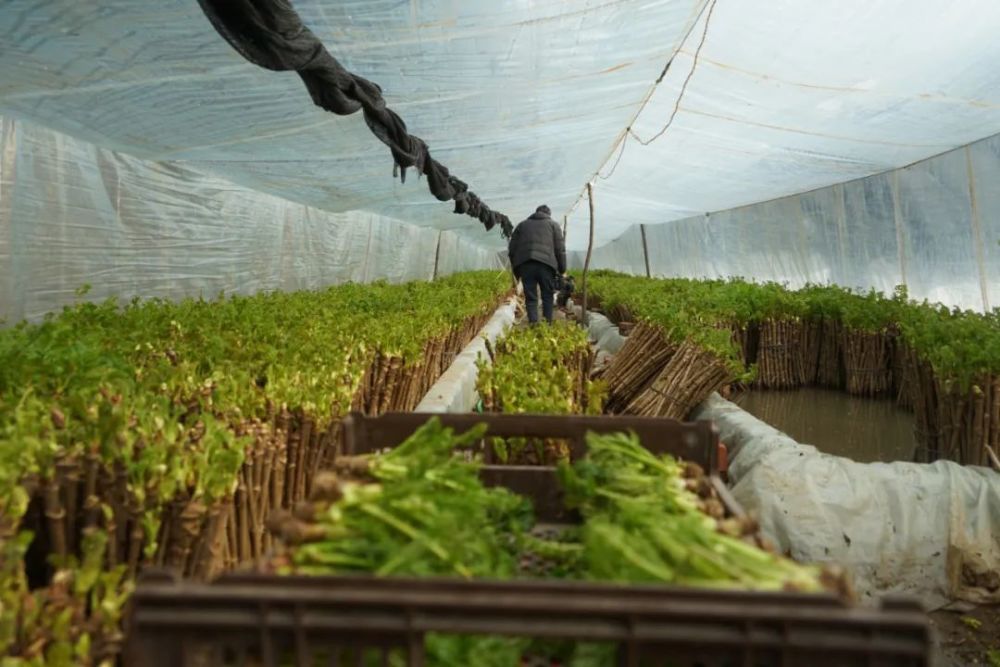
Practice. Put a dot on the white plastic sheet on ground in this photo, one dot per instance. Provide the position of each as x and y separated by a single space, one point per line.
920 529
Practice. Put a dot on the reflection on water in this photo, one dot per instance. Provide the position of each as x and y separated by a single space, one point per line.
861 429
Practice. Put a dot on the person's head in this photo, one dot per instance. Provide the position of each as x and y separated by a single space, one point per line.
544 209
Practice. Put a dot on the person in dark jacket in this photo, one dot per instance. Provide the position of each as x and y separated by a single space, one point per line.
538 255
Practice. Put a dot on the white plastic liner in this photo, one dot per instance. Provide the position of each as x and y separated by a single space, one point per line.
74 214
900 527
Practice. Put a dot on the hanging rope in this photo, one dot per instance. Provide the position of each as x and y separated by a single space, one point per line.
270 34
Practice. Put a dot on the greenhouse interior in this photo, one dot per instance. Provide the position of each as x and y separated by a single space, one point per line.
529 332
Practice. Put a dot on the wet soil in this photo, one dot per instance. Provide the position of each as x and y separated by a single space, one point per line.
861 429
969 637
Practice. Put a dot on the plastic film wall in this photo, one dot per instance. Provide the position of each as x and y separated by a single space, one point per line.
933 226
73 214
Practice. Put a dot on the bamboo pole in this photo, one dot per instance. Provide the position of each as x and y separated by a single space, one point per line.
645 250
590 246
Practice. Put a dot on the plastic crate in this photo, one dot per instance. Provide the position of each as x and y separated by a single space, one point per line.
265 621
261 620
692 441
697 442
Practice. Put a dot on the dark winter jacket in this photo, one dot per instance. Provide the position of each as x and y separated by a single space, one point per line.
538 238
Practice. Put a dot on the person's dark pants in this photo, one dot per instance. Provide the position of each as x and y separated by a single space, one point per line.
535 277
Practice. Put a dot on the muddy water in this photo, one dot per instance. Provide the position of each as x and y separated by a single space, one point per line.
835 423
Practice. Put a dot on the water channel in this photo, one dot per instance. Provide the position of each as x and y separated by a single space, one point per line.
861 429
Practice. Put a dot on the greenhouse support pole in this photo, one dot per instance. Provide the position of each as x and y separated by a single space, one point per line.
437 255
645 249
590 246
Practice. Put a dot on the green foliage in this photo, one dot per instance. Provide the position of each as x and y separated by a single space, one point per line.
961 346
427 513
58 625
538 370
643 524
157 384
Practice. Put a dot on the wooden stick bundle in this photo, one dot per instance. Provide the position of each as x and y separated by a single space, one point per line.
809 351
867 363
779 356
830 370
644 354
690 376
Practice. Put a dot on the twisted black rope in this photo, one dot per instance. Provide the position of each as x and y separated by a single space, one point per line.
270 34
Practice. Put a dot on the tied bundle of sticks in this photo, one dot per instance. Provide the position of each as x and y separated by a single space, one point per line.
618 313
967 422
830 367
779 360
689 377
867 363
84 492
924 393
631 371
746 338
809 350
391 384
903 379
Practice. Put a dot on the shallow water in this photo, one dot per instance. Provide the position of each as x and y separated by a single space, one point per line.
861 429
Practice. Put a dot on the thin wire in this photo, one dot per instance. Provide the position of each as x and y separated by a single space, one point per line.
645 101
619 159
677 104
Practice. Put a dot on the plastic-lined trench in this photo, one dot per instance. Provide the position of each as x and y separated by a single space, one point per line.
931 530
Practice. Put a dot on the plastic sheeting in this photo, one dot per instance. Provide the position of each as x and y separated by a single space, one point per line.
73 214
790 96
931 530
528 100
522 100
933 226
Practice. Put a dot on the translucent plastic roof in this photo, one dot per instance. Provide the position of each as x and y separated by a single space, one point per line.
521 99
525 99
791 95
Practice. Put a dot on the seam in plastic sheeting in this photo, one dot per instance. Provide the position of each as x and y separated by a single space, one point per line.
73 214
8 163
977 233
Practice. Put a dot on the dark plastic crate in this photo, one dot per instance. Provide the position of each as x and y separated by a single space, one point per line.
692 441
258 620
697 442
